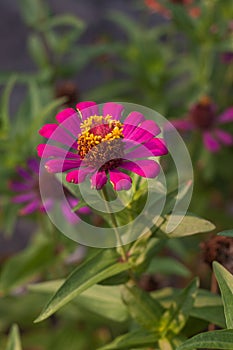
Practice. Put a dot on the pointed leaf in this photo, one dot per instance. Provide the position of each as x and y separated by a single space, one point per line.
168 266
14 342
207 306
225 281
176 316
189 225
4 111
222 339
103 264
142 307
227 233
98 299
133 340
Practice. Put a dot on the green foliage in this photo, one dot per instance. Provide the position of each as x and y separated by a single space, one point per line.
14 342
225 281
98 299
189 225
4 110
27 264
133 340
222 339
101 265
142 308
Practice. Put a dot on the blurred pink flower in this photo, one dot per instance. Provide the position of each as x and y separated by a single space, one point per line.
158 7
27 192
203 117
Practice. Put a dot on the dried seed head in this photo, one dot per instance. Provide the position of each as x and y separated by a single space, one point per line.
218 248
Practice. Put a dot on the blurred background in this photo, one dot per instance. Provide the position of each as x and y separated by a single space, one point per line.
175 57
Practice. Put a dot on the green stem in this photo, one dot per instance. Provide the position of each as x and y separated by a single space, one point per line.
114 224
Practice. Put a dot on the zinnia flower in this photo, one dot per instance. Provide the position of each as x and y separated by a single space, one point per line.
99 144
28 193
156 6
203 117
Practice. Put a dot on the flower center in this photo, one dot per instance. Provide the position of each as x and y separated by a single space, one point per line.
203 113
100 142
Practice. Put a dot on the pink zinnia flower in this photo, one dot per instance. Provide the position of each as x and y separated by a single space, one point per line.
203 117
28 193
156 6
99 144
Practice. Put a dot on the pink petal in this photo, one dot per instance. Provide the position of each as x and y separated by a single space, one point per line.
34 165
150 125
140 135
59 165
74 201
182 125
23 173
71 217
113 109
47 151
98 180
154 147
56 133
19 186
24 197
78 176
145 167
210 142
64 114
146 125
134 118
70 120
30 207
119 180
224 137
128 129
48 204
85 104
226 116
84 210
87 109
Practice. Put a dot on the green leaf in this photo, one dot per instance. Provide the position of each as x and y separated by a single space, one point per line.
98 299
33 11
222 339
207 306
37 51
225 281
133 340
142 307
34 97
176 316
100 266
23 266
14 342
63 20
4 111
227 233
189 225
168 266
